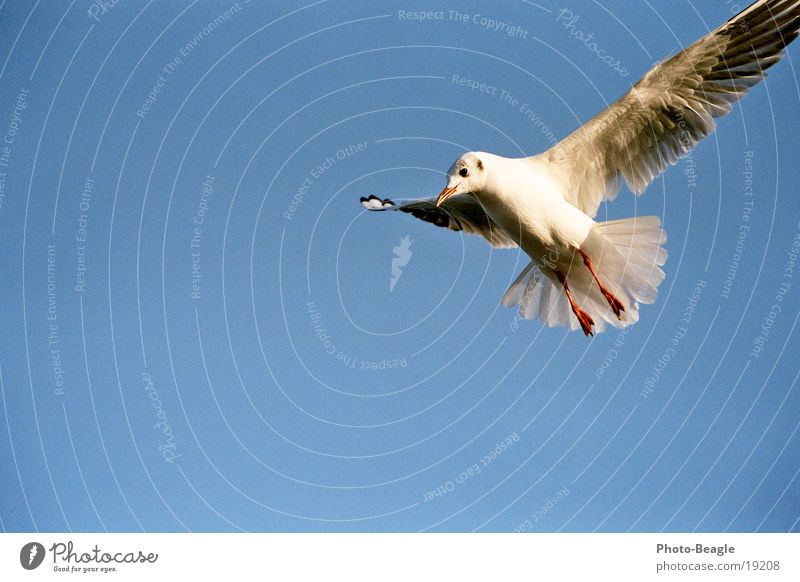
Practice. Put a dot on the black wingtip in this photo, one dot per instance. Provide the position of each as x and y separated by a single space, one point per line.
372 202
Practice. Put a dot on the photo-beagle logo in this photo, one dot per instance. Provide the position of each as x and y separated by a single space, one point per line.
31 555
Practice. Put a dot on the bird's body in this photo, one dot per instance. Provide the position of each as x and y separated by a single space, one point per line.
524 197
585 273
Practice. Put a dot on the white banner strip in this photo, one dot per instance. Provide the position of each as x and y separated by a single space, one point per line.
401 557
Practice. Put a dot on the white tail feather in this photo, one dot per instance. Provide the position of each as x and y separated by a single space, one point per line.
627 256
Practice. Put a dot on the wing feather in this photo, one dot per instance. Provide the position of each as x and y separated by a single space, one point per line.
673 106
459 213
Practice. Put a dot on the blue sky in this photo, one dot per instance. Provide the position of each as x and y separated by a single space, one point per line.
202 331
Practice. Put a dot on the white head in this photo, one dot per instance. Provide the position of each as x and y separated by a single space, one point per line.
467 174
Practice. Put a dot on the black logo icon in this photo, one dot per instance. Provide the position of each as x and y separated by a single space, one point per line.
31 555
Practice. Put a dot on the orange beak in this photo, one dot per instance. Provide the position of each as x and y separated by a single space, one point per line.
445 194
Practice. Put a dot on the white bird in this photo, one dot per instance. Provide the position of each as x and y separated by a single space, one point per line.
585 273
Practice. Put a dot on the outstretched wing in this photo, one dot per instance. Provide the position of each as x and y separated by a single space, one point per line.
461 212
673 106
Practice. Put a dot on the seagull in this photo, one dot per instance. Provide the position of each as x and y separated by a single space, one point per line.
584 273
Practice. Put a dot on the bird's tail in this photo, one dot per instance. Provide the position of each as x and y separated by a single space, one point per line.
627 257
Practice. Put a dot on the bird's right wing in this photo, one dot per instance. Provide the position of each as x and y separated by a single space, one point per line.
673 106
461 212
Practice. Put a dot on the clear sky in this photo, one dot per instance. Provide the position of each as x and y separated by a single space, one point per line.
203 329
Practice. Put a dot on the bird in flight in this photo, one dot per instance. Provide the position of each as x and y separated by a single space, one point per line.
585 273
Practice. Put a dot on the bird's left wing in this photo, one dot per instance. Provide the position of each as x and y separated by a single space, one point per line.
461 212
672 107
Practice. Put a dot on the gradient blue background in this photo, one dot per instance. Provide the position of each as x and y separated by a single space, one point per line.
270 432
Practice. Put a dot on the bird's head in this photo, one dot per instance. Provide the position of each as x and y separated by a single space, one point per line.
467 174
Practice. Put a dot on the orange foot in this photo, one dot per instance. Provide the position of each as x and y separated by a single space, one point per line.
584 318
616 305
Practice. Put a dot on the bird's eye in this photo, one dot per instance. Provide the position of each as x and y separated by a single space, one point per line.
463 172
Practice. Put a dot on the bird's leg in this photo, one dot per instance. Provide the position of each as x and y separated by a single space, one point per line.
583 318
616 305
